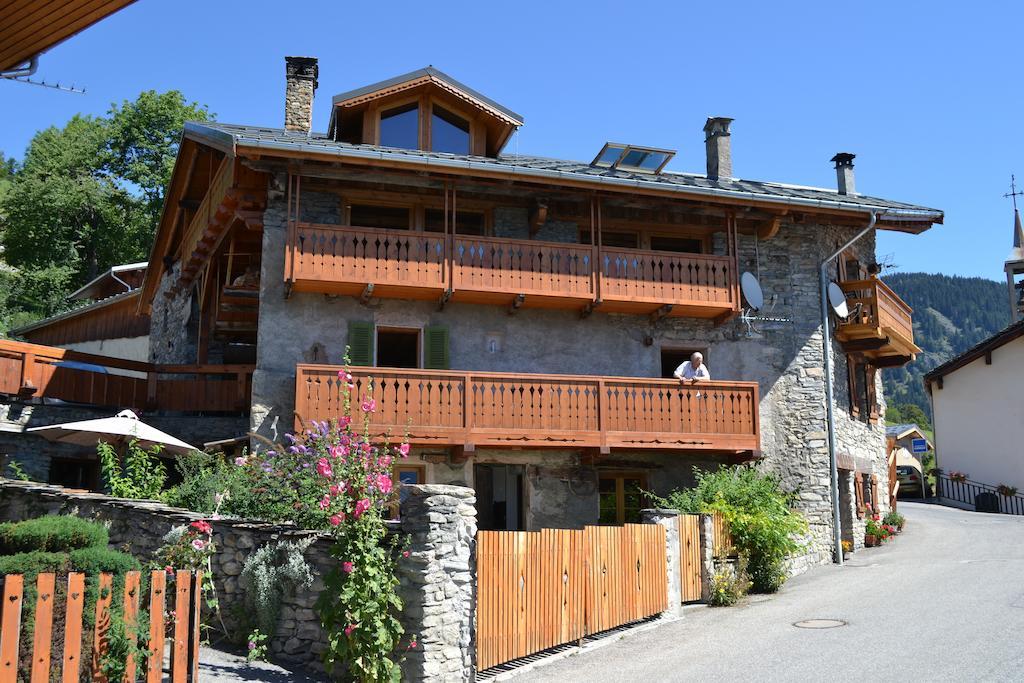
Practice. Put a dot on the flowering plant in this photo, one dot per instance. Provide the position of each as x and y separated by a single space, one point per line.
188 547
343 482
1007 490
957 476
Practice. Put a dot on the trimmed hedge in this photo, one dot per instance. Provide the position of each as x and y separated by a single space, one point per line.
89 560
51 534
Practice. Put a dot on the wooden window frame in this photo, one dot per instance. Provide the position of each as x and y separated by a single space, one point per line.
620 490
417 208
396 471
870 397
425 102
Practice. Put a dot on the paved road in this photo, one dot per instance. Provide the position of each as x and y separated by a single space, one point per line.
943 602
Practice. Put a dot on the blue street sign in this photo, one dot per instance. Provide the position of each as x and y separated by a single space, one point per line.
919 445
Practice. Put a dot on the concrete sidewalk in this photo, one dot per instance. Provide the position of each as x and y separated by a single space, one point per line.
218 666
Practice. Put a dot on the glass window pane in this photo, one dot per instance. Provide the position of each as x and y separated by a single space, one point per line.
399 127
614 240
652 161
686 245
448 132
387 217
609 156
633 158
608 508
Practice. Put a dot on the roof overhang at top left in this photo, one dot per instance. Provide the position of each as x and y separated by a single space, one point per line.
31 27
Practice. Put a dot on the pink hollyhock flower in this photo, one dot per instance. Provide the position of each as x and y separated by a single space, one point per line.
384 461
337 519
404 450
369 405
348 567
239 461
384 483
350 628
198 544
341 374
412 644
202 527
344 421
362 505
169 569
338 451
325 502
405 553
323 468
338 489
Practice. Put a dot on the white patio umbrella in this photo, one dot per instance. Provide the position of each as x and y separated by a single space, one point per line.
116 431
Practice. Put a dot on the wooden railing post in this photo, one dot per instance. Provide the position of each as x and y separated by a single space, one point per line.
26 385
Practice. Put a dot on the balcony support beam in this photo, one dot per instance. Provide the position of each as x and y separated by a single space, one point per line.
662 311
443 301
516 304
364 298
589 309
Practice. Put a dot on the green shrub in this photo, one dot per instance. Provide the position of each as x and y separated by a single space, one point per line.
52 533
893 518
728 585
139 474
762 524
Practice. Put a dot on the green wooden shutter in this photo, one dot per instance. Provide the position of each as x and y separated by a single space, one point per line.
435 342
360 343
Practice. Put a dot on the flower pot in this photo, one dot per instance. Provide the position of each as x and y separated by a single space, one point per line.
870 541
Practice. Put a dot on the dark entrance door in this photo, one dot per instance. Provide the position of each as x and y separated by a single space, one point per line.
499 497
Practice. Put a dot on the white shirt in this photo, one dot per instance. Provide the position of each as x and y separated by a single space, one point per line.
687 371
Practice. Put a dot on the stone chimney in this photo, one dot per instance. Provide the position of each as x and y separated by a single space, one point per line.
716 141
844 172
301 80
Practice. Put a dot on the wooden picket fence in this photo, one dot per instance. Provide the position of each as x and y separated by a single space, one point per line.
540 589
722 544
185 620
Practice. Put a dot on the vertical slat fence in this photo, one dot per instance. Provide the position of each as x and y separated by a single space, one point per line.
689 557
57 656
540 589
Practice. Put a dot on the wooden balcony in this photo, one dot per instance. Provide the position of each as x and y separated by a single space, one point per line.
481 409
880 324
31 371
487 270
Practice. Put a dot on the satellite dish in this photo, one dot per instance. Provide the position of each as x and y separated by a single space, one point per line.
752 291
837 299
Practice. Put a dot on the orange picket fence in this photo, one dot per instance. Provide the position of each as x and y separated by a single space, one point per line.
689 557
57 656
722 545
540 589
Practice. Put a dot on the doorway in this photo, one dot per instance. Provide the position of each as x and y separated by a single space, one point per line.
672 358
499 497
398 347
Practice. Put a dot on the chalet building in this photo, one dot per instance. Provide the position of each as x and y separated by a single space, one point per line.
521 317
108 323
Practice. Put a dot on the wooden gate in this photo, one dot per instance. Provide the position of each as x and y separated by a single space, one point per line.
183 628
689 557
539 589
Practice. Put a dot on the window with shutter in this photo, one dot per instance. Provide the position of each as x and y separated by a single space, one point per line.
360 343
858 488
435 348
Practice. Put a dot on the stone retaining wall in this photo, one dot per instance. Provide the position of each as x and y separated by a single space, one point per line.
437 579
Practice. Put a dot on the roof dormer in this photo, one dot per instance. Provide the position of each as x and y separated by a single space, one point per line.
426 110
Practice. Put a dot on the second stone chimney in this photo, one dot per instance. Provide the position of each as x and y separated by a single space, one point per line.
300 85
844 172
719 149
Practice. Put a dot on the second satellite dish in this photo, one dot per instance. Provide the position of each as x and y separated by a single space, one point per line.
752 291
837 299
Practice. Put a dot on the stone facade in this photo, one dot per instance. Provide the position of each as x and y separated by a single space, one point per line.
785 358
437 579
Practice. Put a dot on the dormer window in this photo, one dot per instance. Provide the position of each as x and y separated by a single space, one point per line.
448 132
425 110
400 126
632 158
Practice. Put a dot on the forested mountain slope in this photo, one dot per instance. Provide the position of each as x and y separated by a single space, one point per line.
951 314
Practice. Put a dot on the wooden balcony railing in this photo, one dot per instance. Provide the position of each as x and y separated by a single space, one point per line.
470 409
489 270
877 313
34 371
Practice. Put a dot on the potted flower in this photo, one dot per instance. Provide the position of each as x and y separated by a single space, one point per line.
1007 490
957 476
847 549
874 534
894 519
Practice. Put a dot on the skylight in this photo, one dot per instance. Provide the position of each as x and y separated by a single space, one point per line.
632 158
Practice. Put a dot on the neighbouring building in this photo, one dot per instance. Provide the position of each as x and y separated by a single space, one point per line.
976 409
109 324
521 317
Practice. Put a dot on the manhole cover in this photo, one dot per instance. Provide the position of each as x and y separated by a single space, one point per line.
820 623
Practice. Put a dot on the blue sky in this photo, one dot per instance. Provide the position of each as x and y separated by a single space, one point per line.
925 94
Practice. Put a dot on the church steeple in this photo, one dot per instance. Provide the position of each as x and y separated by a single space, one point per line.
1014 264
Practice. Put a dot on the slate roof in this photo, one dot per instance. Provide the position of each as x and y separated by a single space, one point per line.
230 137
898 431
